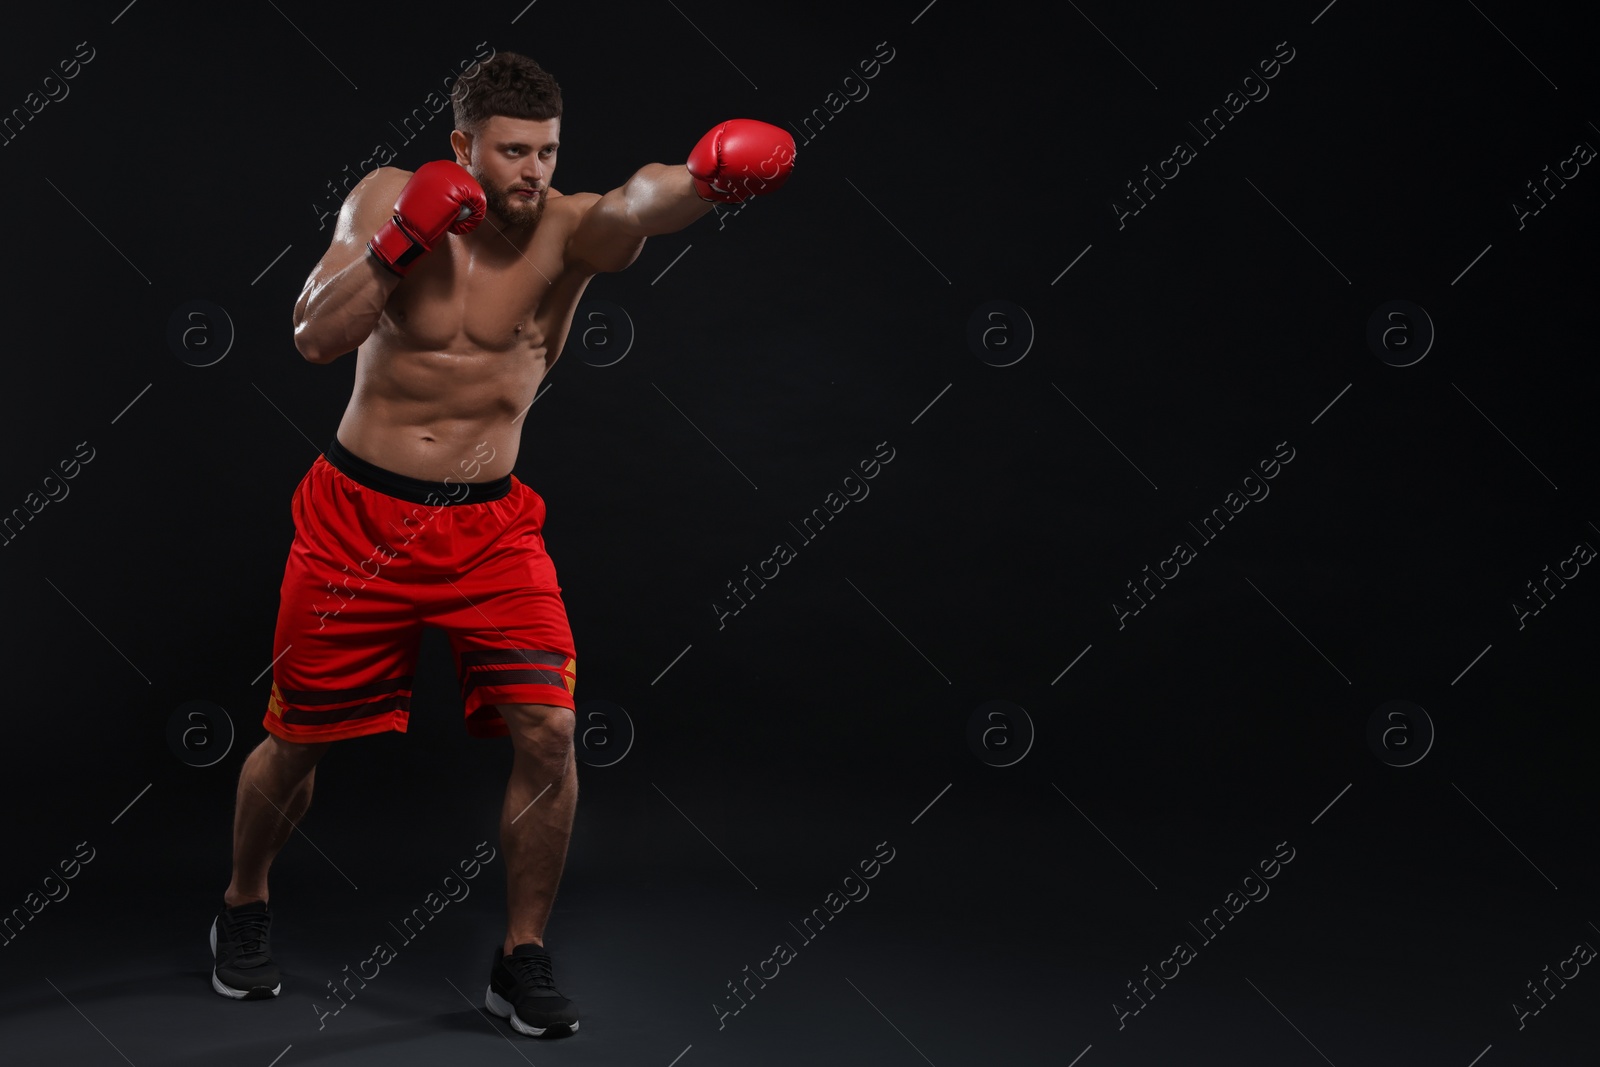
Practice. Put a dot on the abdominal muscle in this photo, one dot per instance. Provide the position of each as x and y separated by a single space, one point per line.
434 415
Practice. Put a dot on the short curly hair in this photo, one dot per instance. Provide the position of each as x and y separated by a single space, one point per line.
506 84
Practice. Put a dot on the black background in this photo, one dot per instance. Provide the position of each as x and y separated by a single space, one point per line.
832 713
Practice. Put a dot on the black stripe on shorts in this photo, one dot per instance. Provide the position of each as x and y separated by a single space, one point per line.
340 696
487 678
399 702
514 655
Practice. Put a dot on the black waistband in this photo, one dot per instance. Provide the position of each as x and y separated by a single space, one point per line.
415 490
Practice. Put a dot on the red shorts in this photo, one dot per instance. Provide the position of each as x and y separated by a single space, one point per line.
376 557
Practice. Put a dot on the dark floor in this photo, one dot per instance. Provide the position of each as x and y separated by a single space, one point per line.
1004 930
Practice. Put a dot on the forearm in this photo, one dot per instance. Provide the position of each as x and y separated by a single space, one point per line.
334 315
660 198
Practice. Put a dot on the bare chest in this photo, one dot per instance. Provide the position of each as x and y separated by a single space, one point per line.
469 297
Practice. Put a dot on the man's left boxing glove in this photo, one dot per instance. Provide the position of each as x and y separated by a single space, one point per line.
440 196
741 158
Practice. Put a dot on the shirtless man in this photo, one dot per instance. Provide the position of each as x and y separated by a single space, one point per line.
456 286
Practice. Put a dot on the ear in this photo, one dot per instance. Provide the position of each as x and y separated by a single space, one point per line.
462 143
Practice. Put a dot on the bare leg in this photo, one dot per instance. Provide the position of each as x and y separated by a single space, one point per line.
274 793
536 821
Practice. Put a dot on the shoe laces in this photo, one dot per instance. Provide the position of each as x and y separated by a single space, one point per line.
250 934
532 970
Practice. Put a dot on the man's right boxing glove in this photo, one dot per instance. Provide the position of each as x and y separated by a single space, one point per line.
440 196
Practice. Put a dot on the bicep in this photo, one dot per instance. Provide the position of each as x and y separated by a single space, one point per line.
603 240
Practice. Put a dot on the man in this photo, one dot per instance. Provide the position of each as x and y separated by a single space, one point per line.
456 286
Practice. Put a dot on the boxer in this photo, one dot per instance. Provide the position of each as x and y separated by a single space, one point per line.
455 286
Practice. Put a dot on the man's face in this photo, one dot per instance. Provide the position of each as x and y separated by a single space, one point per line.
513 159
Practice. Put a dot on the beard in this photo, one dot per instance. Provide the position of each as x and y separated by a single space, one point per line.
517 211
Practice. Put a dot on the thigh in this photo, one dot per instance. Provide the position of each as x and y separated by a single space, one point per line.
347 634
508 627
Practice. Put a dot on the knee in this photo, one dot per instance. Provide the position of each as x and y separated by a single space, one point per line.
293 758
542 731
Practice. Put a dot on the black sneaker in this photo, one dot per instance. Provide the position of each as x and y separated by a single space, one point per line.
243 969
522 988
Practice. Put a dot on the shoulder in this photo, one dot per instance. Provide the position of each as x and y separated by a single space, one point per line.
564 212
380 179
570 205
597 239
369 204
379 186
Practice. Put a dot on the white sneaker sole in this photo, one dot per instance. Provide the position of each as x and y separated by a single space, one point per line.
502 1007
229 991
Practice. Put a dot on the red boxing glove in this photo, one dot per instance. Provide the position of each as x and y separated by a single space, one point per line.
741 158
440 196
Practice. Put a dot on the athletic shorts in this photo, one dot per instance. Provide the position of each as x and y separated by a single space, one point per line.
376 557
